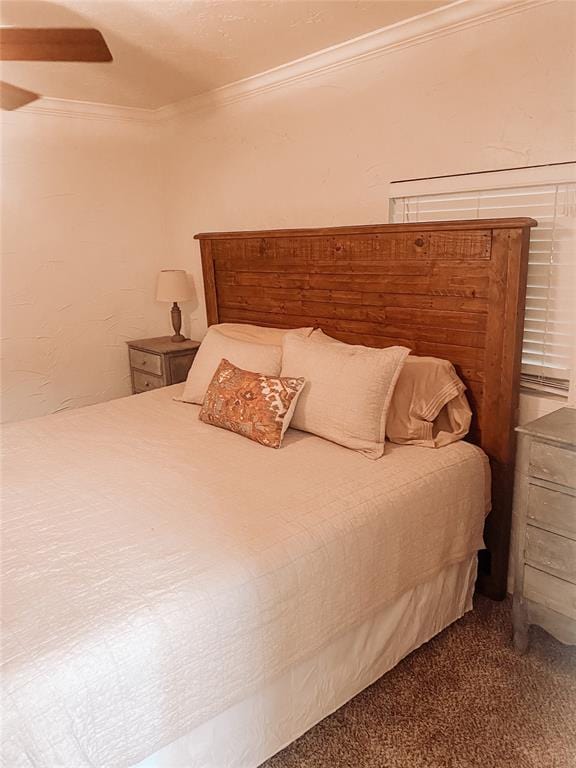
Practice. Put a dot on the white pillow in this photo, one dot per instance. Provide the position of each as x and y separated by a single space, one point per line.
258 334
259 358
347 392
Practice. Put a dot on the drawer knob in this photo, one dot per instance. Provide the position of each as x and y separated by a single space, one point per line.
419 242
147 384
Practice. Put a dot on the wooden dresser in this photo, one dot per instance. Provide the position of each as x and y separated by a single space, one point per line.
545 585
159 362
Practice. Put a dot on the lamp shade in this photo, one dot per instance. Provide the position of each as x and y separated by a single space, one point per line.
173 285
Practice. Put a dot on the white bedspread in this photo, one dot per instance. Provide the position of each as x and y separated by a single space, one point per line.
157 569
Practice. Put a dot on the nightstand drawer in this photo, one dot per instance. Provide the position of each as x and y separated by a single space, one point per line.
550 462
557 594
146 361
551 553
144 381
553 510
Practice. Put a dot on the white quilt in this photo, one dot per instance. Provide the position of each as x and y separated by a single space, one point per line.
157 569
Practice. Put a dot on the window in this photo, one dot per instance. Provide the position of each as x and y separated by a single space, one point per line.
548 348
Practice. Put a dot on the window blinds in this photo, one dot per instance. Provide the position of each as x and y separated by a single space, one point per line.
548 349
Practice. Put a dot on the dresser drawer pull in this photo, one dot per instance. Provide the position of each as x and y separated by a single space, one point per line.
146 361
144 381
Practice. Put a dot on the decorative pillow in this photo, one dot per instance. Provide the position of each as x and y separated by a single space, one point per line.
264 358
347 392
429 407
258 334
253 405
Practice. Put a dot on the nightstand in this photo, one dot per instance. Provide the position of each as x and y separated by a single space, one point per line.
545 574
159 362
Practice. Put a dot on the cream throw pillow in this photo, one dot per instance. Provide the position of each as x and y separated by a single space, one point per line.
258 334
347 392
259 358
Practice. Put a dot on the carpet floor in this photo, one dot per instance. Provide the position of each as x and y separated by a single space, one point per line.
466 699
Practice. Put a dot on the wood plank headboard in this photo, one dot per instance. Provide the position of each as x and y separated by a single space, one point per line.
449 289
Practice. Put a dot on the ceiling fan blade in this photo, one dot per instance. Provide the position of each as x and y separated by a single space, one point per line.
12 97
51 44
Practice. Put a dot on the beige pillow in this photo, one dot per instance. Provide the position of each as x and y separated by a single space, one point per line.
347 391
429 407
261 358
453 421
252 405
258 334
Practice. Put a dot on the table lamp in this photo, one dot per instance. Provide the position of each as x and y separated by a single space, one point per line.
173 285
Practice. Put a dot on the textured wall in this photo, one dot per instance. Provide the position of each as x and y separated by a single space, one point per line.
91 209
322 151
82 238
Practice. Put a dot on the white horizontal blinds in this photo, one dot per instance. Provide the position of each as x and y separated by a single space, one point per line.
549 330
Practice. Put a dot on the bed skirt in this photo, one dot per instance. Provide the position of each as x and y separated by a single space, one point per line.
254 729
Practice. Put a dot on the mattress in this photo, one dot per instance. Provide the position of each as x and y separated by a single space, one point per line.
156 570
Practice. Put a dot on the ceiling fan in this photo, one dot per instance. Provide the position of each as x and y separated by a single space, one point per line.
46 44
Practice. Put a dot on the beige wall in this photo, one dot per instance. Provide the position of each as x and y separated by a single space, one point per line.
92 208
323 151
82 238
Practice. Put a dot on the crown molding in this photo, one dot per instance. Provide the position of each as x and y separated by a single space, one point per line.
87 110
447 20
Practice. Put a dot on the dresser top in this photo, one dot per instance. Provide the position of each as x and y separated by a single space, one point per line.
162 345
559 426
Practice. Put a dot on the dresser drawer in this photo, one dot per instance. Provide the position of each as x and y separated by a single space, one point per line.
144 381
552 509
146 361
550 462
551 553
557 594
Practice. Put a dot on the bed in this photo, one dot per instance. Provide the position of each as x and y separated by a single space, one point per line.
177 596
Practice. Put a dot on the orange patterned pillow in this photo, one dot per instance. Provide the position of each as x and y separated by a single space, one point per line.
253 405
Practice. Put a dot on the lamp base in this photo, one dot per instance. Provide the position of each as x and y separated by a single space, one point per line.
176 315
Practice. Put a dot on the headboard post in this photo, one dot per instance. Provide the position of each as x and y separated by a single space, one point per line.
452 289
209 282
507 295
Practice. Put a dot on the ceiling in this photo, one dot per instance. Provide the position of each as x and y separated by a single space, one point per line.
168 50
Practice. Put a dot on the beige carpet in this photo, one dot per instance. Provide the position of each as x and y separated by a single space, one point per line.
464 699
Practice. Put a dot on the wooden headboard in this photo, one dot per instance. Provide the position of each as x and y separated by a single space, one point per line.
449 289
